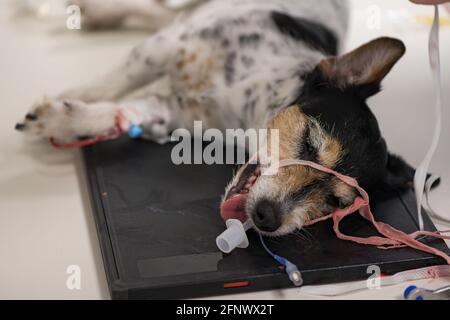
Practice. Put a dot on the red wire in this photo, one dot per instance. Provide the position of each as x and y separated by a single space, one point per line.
112 134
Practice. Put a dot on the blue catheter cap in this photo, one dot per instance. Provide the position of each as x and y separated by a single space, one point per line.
135 131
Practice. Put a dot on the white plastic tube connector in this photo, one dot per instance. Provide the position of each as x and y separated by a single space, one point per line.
234 237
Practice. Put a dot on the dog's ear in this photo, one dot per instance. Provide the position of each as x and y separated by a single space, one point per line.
365 67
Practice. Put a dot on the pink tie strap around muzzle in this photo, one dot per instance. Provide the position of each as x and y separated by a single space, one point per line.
393 238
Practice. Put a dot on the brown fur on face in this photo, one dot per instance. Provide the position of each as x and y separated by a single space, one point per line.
302 193
291 124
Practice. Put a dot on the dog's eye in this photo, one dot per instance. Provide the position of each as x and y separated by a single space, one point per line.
334 201
309 148
300 194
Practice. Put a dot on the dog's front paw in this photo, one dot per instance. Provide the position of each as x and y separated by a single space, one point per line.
51 118
67 120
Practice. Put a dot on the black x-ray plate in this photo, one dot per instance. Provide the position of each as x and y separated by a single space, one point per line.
157 224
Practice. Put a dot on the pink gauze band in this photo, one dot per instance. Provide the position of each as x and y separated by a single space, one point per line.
391 237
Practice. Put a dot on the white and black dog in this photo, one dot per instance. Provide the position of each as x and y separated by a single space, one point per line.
250 64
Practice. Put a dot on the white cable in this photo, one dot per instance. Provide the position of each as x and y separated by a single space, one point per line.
331 290
422 170
427 205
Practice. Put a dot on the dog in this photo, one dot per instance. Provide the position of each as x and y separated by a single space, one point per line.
254 64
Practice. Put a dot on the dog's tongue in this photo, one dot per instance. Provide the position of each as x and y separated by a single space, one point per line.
234 208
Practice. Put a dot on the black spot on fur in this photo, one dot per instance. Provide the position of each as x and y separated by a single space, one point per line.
238 21
244 77
184 37
250 106
252 39
274 47
230 62
313 34
212 33
68 105
225 43
247 61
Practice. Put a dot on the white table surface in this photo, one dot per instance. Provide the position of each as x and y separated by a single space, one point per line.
46 222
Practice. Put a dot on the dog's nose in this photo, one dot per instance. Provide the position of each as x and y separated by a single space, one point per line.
266 216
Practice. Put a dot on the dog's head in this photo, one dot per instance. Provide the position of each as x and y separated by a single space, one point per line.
332 125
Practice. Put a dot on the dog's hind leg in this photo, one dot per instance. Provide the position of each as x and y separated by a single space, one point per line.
108 14
145 64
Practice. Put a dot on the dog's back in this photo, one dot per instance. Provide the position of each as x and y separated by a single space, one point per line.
332 14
